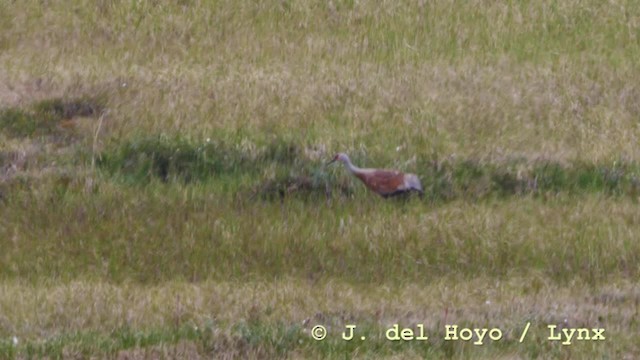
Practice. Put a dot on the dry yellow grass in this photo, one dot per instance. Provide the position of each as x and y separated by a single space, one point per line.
92 266
460 78
46 311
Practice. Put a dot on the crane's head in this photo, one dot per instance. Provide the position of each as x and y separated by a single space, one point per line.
339 157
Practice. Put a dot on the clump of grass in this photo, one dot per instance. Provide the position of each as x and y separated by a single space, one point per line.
45 118
283 152
8 186
19 122
278 169
172 159
166 159
271 341
180 159
67 109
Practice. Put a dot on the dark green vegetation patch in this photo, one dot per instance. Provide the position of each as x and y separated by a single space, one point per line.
178 159
47 117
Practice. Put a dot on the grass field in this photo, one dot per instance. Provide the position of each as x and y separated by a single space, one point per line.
164 194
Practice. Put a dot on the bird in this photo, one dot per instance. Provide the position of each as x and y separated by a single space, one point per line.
386 183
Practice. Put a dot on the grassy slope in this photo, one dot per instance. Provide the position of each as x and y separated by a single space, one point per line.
92 264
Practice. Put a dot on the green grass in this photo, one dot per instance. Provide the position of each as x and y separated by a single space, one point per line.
44 117
164 190
189 234
210 161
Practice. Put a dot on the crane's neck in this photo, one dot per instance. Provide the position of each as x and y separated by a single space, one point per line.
354 169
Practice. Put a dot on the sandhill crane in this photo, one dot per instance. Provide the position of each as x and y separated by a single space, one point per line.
385 183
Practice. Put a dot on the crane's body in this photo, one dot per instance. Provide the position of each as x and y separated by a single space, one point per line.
385 183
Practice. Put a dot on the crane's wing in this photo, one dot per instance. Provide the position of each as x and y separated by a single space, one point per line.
389 182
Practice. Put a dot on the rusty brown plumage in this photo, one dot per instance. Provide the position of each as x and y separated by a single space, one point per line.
385 183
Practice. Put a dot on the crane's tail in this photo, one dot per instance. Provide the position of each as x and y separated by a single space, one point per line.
412 182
